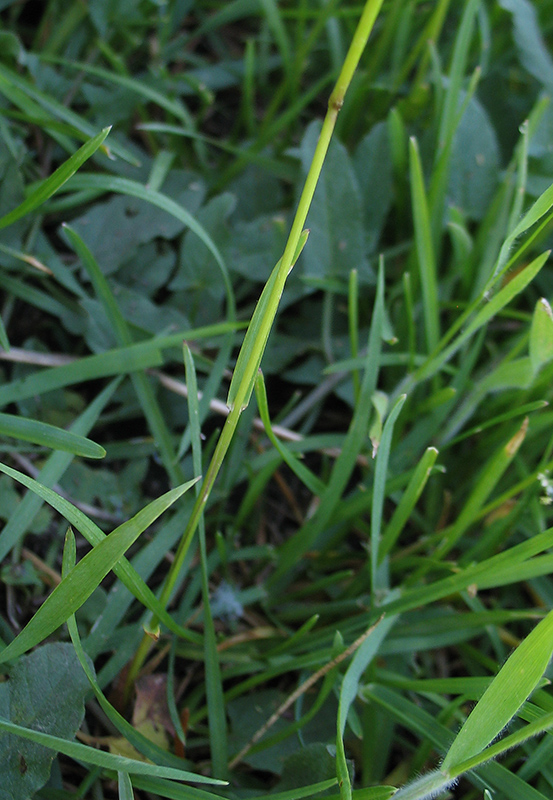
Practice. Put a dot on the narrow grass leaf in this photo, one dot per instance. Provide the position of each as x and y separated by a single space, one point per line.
300 542
539 209
425 249
143 745
83 579
101 286
11 80
4 341
425 725
51 472
314 484
454 105
541 334
348 692
490 423
486 573
485 314
301 791
90 755
214 684
279 168
119 361
515 681
174 107
159 787
274 20
94 535
534 728
124 786
379 572
485 484
408 501
353 327
255 340
30 430
49 186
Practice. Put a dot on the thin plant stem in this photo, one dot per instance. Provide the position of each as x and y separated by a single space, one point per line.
243 392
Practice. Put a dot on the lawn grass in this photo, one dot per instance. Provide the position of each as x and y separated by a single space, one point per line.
328 577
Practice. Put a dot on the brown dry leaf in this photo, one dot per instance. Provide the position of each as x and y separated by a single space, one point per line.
150 717
151 703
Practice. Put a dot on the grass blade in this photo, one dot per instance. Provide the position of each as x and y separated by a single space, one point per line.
300 542
515 681
379 571
31 430
50 473
51 185
485 314
214 685
92 533
90 755
425 248
408 501
257 335
81 581
315 486
348 692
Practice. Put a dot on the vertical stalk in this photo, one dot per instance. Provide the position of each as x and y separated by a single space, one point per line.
362 32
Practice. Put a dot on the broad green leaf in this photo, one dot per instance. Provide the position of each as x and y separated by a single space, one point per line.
49 678
122 333
336 215
515 681
532 48
373 167
83 579
475 162
49 186
541 334
109 183
30 430
309 765
116 228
